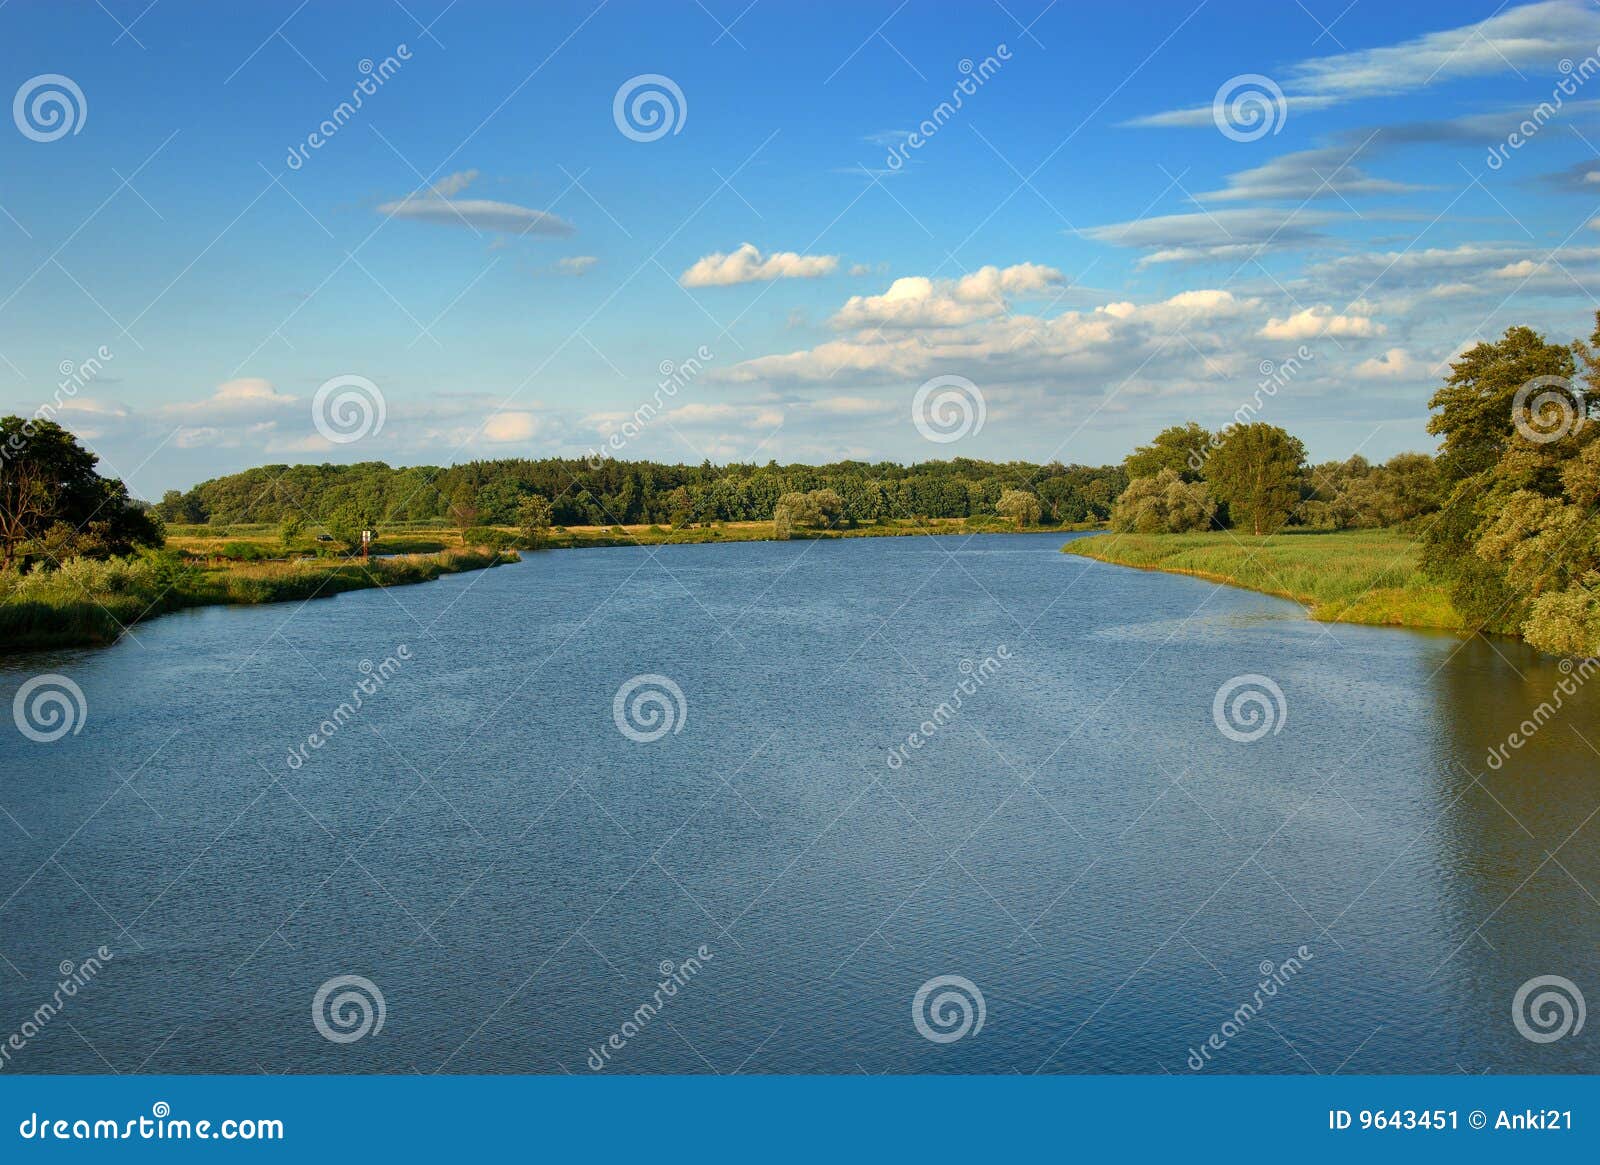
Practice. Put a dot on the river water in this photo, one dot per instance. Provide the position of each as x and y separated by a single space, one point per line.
766 885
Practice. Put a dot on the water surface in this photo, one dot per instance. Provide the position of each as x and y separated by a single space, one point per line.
1079 840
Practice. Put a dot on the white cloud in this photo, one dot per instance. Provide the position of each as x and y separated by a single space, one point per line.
1395 364
438 204
1320 320
917 301
1234 234
576 264
1531 37
506 427
748 265
480 214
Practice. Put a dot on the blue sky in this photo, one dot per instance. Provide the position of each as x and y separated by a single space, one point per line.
1081 240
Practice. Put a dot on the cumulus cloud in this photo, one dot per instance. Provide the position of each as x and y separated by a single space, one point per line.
1320 320
917 301
1395 364
576 264
942 332
1528 37
506 427
748 265
437 204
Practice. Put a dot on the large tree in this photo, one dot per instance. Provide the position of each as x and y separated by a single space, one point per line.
1180 448
1256 470
52 500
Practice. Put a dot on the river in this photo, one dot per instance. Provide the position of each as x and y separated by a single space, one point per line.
757 858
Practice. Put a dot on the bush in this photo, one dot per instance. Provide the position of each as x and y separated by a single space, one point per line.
488 537
1163 504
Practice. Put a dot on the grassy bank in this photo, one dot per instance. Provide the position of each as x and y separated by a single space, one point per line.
86 603
1355 576
435 537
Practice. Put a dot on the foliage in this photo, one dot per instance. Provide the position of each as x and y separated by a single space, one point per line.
640 493
1517 541
533 520
1180 448
53 505
1163 504
1255 471
1021 505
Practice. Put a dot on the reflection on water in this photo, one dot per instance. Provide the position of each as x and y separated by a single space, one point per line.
1076 842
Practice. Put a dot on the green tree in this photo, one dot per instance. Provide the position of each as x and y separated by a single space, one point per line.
533 519
1163 504
1021 505
289 529
464 509
49 490
1473 411
1180 448
1256 471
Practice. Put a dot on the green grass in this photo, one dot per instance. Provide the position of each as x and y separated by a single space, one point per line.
86 603
1355 576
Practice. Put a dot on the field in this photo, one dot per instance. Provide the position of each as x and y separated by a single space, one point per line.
1355 576
434 537
87 602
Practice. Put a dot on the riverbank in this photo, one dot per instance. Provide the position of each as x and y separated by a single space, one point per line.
437 537
88 603
1354 576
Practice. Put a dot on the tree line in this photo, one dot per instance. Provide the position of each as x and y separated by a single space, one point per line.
607 493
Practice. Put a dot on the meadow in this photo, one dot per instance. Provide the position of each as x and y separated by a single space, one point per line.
88 602
1353 576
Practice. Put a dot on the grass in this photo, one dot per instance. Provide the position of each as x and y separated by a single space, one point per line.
1355 576
424 538
86 603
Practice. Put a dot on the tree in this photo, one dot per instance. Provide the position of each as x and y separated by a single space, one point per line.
1021 505
1163 504
1256 472
48 486
533 518
289 529
347 522
1180 448
1474 408
464 508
